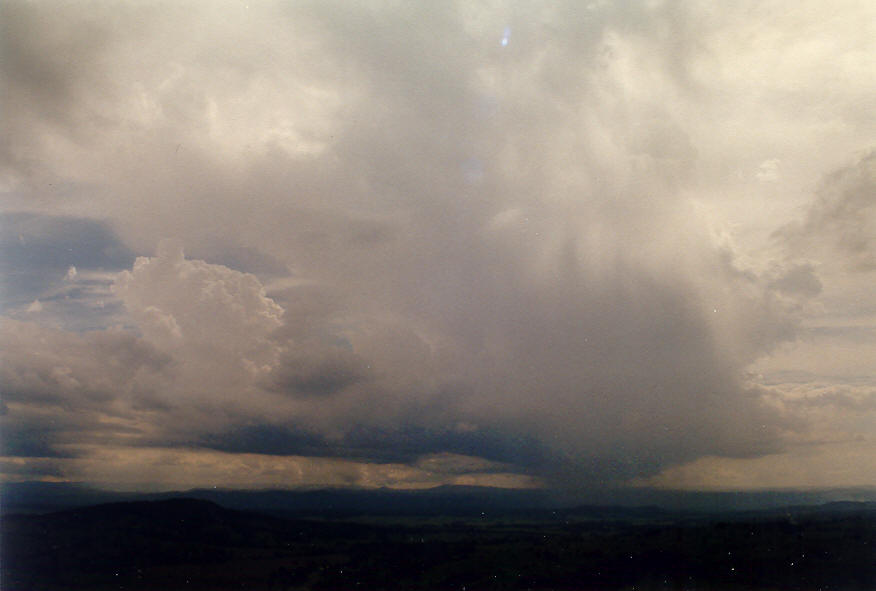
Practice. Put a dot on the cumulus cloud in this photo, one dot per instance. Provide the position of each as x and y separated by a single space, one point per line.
175 299
413 243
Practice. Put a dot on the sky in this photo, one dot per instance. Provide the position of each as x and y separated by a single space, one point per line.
380 244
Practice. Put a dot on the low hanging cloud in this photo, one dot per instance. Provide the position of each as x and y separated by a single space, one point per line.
62 388
464 239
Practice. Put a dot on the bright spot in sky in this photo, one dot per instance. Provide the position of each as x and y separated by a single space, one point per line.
505 35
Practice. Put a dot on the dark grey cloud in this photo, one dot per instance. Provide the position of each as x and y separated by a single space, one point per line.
36 430
840 224
267 439
318 372
51 62
402 444
49 69
35 469
33 441
799 279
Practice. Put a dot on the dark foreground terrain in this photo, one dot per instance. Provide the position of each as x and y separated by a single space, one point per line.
196 544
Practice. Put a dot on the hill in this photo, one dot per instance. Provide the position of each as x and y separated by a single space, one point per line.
43 497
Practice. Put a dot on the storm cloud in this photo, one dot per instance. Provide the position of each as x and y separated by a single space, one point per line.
512 239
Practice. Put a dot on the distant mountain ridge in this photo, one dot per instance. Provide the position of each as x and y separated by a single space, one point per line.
464 500
36 497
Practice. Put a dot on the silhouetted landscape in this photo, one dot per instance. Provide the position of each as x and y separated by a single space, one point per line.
186 543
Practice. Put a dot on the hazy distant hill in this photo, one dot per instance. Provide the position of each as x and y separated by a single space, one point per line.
444 500
30 497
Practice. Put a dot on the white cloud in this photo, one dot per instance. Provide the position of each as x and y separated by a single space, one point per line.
201 305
